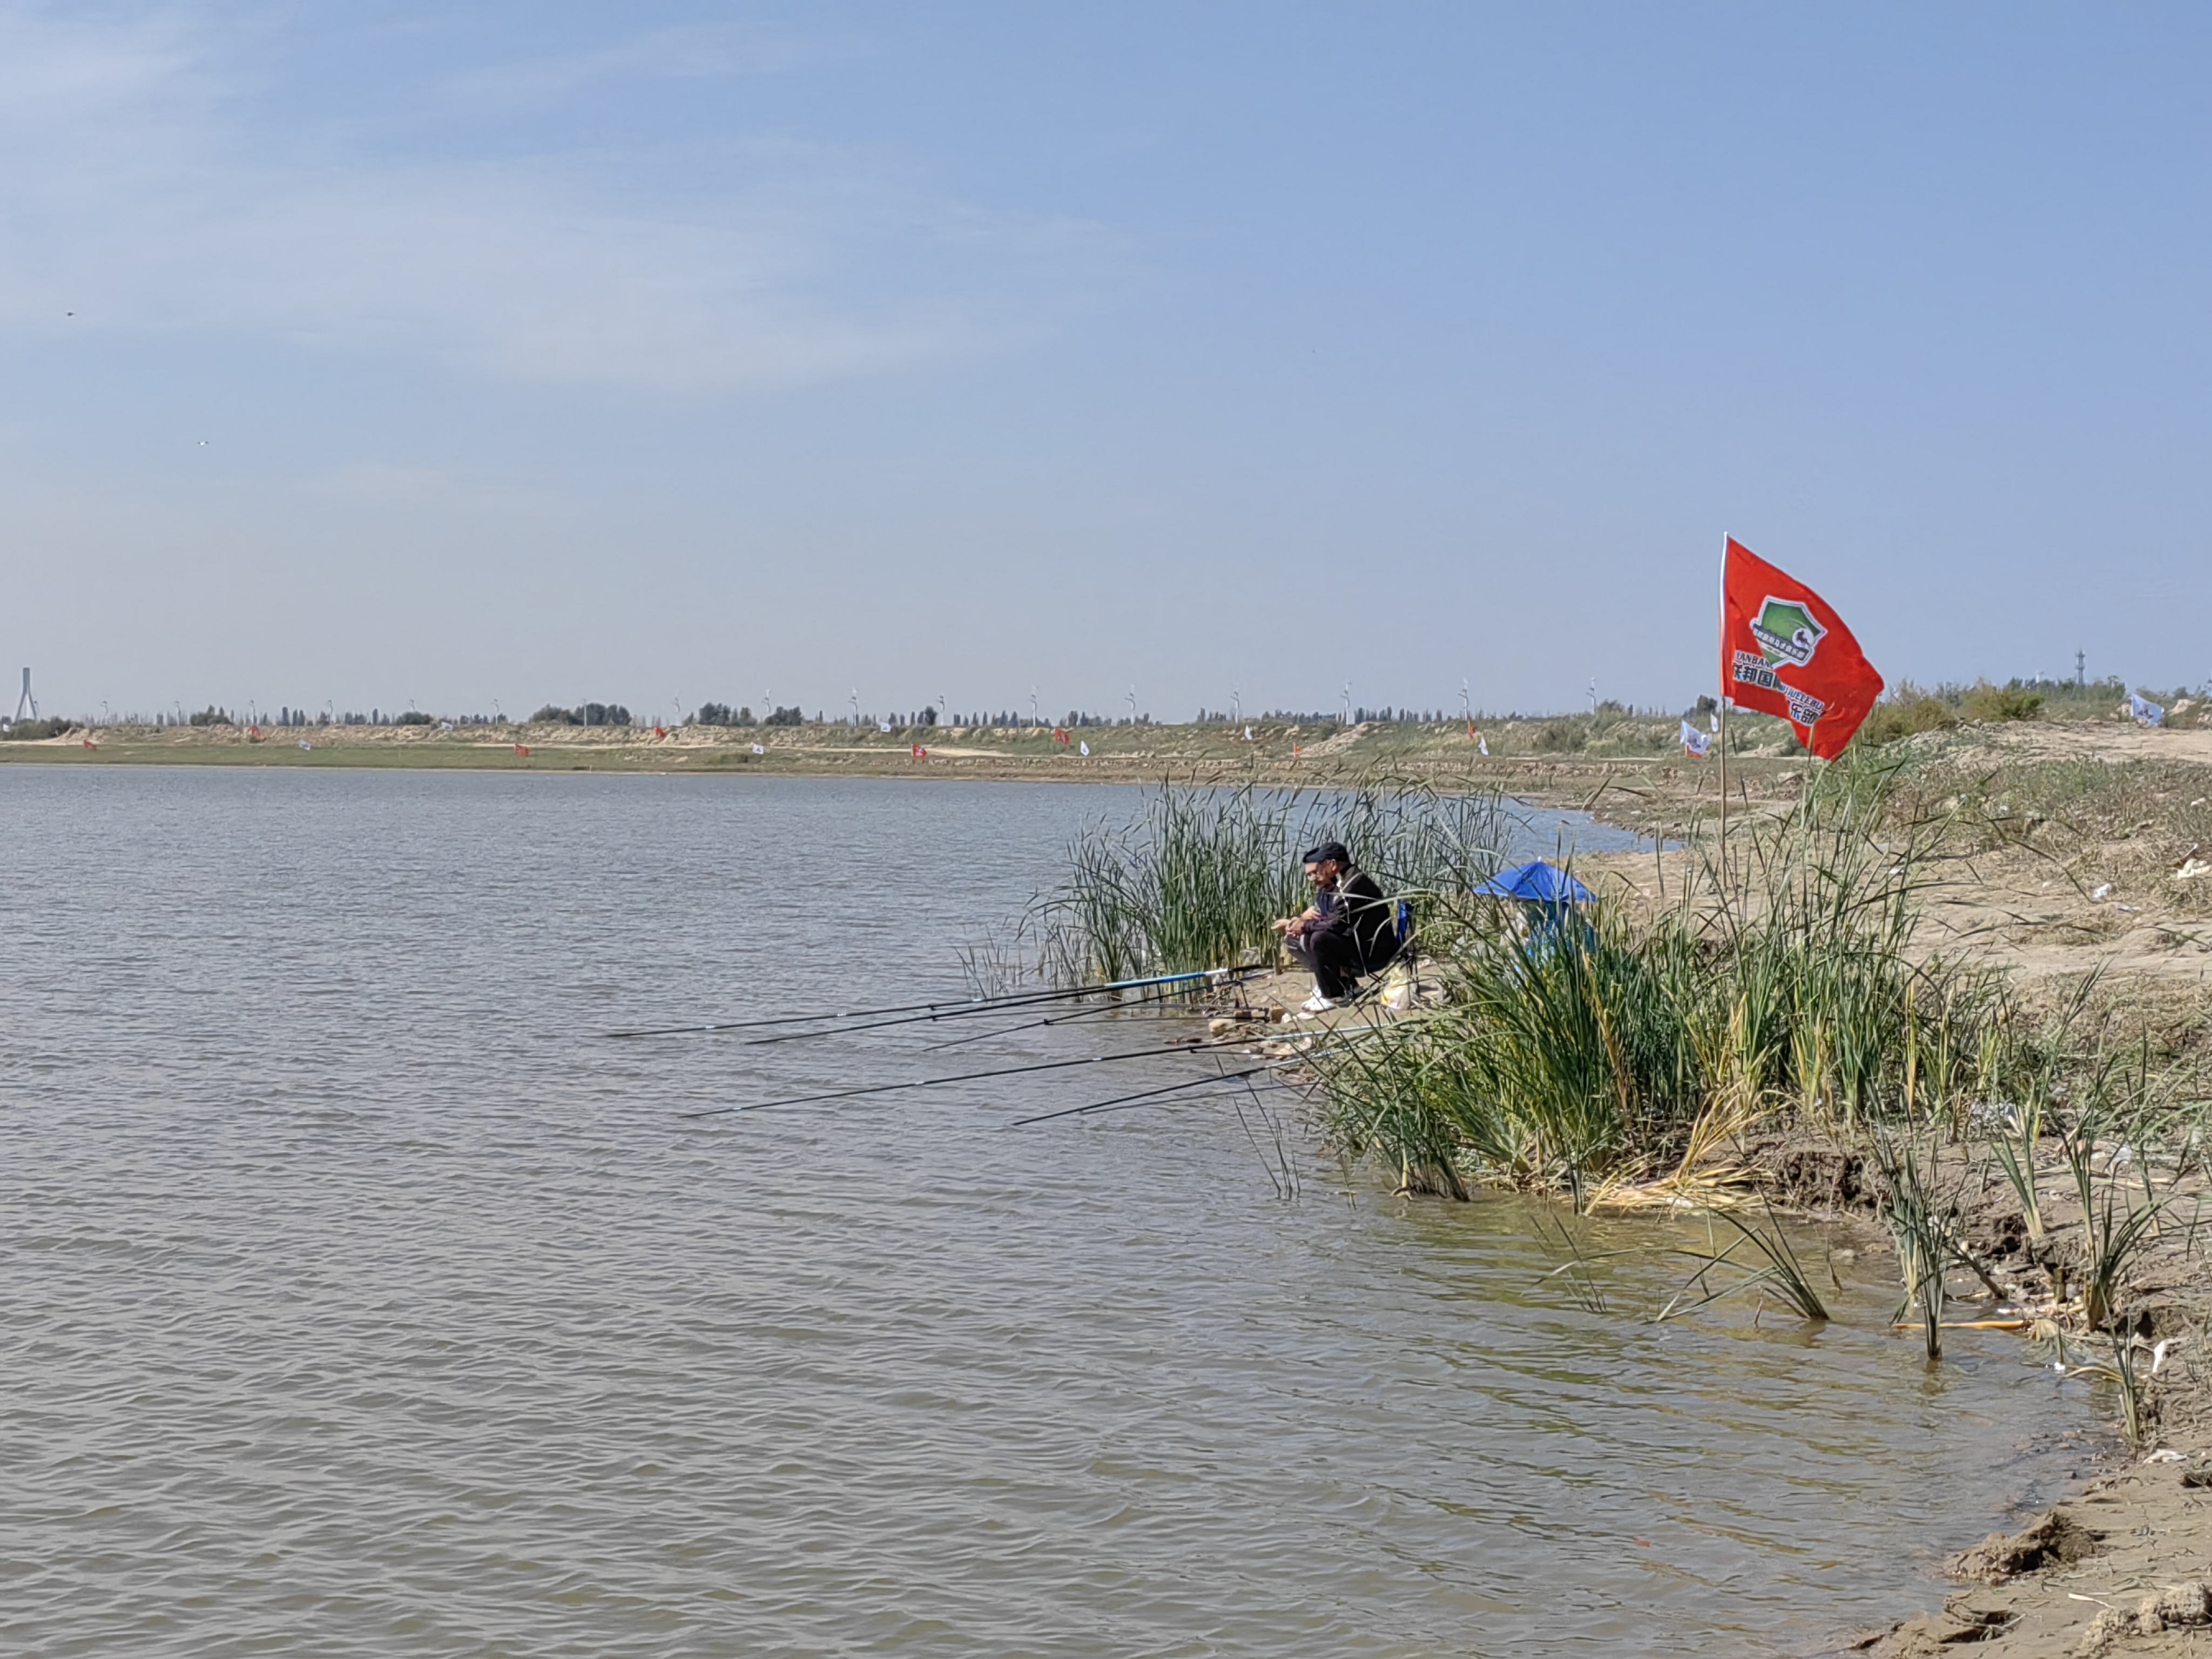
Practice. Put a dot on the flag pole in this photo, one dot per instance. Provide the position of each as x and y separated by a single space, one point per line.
1724 709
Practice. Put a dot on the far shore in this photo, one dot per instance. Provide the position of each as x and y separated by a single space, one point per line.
1635 771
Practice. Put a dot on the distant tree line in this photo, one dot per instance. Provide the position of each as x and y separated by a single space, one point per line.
590 713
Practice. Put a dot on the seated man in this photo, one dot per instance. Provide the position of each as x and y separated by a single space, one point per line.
1349 930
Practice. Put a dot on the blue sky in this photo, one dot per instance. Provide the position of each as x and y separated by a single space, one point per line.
477 354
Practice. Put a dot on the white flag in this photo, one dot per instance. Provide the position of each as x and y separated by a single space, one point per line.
1713 721
1248 734
1482 746
882 726
1085 747
757 749
1695 742
2145 712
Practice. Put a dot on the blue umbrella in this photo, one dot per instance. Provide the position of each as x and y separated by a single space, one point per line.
1537 883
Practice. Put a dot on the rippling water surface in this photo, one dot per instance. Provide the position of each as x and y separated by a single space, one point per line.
357 1299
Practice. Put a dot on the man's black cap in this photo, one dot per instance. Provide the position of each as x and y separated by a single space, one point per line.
1326 851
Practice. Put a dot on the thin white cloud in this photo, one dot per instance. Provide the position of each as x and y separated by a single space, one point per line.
694 53
133 194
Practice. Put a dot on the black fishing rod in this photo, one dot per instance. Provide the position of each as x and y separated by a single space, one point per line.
1141 1097
972 1004
1158 1053
964 1010
1035 1024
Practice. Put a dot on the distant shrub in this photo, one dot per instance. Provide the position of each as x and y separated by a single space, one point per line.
552 715
720 714
209 715
1561 737
785 717
1985 701
605 713
1906 713
33 731
412 717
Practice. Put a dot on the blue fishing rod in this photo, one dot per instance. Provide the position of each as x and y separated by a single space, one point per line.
946 1010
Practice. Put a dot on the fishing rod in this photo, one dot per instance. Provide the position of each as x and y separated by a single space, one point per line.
1184 1099
1140 1098
1135 1003
976 1005
964 1010
1160 1052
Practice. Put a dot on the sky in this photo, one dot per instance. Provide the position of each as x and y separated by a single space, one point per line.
472 356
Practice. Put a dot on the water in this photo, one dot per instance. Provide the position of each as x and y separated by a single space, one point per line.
357 1300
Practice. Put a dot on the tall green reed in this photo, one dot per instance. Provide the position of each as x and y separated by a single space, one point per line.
1194 879
1612 1045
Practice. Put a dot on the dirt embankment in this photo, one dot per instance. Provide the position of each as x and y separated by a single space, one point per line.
1525 755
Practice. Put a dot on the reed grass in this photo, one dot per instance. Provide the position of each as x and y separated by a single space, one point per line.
1587 1056
1574 1271
2112 1239
2015 1147
1197 877
1925 1232
1781 1272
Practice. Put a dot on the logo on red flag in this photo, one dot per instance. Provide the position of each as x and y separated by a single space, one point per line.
1785 650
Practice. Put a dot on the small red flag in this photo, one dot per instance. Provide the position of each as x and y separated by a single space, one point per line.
919 753
1059 734
1785 650
523 749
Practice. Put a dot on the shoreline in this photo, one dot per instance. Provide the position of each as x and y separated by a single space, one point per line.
2128 1527
1639 791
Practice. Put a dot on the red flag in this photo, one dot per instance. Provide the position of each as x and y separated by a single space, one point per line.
919 753
1785 650
523 749
1059 734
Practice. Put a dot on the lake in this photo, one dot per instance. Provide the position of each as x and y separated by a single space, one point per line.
360 1298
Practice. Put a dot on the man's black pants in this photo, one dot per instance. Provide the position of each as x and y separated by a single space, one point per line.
1335 961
